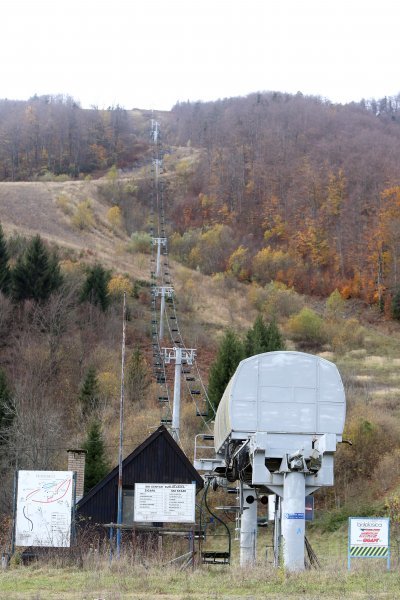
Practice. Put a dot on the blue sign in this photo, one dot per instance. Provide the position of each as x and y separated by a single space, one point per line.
294 515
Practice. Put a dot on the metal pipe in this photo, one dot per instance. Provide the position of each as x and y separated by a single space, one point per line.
248 527
277 529
158 265
176 409
121 428
293 520
162 311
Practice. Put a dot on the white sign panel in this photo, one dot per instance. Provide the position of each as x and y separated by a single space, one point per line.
369 532
44 508
165 502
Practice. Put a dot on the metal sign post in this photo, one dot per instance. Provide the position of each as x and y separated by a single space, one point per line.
121 428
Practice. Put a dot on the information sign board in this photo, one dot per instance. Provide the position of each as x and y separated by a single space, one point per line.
165 502
369 538
44 504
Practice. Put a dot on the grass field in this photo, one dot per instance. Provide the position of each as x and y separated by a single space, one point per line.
368 579
147 577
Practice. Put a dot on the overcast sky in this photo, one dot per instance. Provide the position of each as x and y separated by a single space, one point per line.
153 53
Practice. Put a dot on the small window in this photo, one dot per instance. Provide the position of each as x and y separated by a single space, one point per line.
128 503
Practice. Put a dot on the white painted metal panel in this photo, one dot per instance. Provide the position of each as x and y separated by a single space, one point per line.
44 508
288 417
281 392
328 421
165 502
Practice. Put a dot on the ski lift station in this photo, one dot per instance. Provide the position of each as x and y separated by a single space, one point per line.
276 431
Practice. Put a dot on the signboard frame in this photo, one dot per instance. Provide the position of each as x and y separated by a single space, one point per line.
378 548
44 501
163 501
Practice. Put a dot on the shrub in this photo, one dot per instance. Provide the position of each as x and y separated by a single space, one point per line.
344 335
213 249
182 245
334 306
63 202
140 242
50 176
308 329
118 285
238 263
281 301
256 295
114 217
268 263
84 216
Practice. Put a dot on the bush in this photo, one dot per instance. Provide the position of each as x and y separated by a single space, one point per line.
335 306
118 285
308 329
268 263
63 202
281 301
345 335
83 217
50 176
182 245
114 217
140 242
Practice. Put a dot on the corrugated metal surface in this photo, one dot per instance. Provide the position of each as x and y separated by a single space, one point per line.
158 460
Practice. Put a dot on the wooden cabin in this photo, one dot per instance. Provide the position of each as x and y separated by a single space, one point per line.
158 459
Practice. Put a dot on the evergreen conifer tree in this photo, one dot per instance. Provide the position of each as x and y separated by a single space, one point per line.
396 305
95 287
274 337
89 392
6 405
36 274
263 338
96 466
5 274
229 355
137 377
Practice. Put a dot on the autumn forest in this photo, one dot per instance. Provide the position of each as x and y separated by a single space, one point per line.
273 186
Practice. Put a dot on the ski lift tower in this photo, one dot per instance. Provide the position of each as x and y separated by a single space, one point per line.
164 291
276 430
180 356
159 241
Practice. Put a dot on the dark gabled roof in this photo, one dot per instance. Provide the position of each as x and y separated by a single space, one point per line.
161 431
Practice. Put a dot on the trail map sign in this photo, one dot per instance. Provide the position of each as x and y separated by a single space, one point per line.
44 504
369 538
165 503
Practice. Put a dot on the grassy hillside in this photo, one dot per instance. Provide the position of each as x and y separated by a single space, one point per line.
364 345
